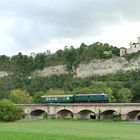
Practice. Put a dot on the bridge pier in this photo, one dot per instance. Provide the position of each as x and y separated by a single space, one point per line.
27 116
123 117
52 116
75 116
98 116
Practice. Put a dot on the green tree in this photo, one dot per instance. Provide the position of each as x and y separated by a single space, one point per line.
22 64
136 91
110 95
99 86
20 96
9 112
55 92
37 96
39 61
4 63
124 95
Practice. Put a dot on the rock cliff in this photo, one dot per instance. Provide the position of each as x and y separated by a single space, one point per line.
3 73
103 67
95 67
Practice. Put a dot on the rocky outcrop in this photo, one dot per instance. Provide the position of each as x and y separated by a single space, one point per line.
95 67
103 67
61 69
3 74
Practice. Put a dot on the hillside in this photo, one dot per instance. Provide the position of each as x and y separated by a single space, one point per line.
93 68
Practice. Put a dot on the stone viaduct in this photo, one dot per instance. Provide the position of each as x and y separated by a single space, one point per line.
126 111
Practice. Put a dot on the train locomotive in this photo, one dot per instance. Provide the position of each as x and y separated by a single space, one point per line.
76 98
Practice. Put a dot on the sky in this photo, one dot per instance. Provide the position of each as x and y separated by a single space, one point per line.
39 25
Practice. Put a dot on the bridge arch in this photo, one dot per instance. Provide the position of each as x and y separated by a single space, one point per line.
64 114
133 115
38 113
110 114
86 114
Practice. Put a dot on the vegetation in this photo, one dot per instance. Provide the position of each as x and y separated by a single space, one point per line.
37 97
9 112
132 55
20 96
23 87
70 56
69 130
124 95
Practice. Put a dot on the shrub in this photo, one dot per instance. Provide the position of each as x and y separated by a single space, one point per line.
45 115
9 112
116 116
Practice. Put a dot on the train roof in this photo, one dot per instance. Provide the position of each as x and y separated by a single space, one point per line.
89 94
49 96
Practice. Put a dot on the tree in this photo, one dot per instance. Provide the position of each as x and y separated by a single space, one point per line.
20 96
4 63
39 61
124 95
116 86
71 57
110 95
99 87
22 64
55 92
9 112
136 91
37 96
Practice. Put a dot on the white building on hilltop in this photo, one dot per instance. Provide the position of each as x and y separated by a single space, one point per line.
134 47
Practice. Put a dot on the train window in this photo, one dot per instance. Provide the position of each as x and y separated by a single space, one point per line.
67 98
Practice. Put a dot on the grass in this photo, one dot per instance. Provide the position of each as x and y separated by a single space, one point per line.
69 130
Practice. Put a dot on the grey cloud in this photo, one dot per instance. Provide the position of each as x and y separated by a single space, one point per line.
39 21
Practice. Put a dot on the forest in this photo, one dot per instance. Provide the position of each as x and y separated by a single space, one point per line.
21 86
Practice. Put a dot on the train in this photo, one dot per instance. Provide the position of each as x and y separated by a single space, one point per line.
76 98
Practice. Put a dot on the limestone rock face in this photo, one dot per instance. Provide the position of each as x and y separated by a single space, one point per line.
48 71
103 67
95 67
3 73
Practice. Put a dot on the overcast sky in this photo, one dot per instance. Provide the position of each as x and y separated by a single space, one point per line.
38 25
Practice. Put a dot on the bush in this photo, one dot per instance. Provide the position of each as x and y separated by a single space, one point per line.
116 116
9 112
45 115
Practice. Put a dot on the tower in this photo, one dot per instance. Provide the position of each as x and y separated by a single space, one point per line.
138 40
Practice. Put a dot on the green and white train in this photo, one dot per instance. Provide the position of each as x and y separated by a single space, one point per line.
77 98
